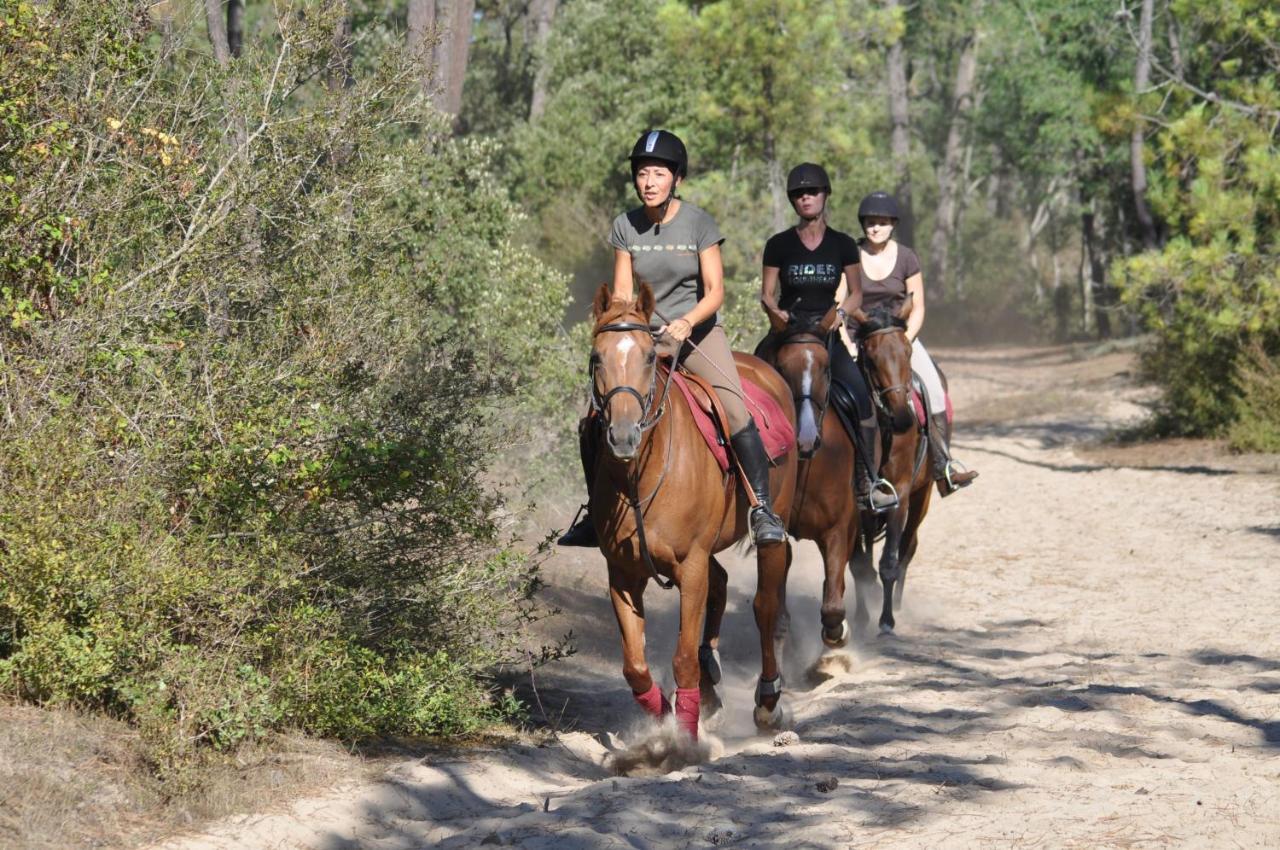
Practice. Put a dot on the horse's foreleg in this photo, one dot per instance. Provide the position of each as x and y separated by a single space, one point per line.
691 577
864 579
709 652
889 564
771 574
835 546
911 538
626 592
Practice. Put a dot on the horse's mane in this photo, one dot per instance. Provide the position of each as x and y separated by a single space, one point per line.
879 318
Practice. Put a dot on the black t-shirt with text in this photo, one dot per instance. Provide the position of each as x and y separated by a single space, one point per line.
808 279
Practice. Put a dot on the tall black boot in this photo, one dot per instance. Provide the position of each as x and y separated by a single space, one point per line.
949 474
874 493
748 448
583 530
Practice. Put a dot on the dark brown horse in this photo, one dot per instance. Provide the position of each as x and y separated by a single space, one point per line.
885 357
662 508
825 509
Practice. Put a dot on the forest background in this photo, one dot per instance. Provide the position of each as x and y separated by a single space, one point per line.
292 294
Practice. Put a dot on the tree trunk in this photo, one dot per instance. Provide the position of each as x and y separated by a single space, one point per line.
422 25
1093 273
1138 168
217 32
900 138
543 12
458 41
219 295
777 188
338 75
950 175
235 27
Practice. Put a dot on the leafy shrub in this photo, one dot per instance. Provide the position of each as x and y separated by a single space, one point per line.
264 336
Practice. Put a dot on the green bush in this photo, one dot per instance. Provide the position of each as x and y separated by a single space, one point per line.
264 338
1211 295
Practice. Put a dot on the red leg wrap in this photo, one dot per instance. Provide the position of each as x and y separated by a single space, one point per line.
653 702
688 703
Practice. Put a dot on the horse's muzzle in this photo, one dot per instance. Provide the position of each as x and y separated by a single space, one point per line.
623 440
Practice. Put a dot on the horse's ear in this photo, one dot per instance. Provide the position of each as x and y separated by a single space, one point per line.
905 309
601 304
646 301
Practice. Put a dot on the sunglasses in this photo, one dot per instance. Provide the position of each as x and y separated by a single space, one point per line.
800 193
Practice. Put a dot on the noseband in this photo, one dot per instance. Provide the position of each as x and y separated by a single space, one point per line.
600 404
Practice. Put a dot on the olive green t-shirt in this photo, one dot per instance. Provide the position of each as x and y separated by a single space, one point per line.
665 256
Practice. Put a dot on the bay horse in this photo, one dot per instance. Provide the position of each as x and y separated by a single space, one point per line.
885 358
825 508
662 508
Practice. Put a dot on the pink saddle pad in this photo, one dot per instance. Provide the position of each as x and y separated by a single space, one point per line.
775 429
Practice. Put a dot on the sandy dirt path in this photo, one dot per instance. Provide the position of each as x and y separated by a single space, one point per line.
1088 656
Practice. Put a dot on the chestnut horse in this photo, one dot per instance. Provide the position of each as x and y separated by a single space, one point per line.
885 358
825 509
662 508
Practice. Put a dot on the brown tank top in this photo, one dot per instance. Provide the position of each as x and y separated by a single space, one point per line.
892 288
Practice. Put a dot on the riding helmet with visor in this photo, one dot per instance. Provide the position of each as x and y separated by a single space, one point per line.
808 175
878 204
662 146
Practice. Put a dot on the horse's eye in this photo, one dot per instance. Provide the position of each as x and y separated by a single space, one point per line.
650 357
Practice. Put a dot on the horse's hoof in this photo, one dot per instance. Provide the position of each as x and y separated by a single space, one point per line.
772 718
709 661
886 630
838 642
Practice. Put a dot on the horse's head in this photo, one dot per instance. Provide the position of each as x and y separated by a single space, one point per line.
623 367
882 337
803 360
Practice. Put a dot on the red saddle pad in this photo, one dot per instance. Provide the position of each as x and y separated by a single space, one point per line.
775 429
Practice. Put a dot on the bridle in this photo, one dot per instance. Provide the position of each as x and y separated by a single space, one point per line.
650 416
879 393
600 404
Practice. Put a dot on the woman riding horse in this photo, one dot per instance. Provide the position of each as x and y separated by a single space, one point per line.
674 247
889 273
802 270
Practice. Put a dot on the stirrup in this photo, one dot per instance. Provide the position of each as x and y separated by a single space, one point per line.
955 467
885 487
581 532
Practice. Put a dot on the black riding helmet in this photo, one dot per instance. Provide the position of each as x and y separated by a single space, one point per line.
878 203
663 146
808 175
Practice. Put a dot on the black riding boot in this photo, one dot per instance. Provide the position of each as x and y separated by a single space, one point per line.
583 530
748 448
874 494
949 474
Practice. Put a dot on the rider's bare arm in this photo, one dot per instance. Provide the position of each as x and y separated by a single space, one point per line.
623 277
915 290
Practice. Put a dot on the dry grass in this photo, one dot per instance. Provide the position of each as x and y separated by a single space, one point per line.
69 780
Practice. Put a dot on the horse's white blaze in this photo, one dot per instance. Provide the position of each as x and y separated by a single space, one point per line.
625 345
808 425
